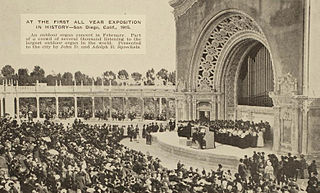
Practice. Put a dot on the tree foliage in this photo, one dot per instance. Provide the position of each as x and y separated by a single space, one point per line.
23 77
37 74
108 77
136 76
67 78
7 71
163 74
123 75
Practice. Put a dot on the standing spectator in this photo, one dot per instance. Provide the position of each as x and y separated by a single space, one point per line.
242 170
137 135
312 168
144 131
303 166
269 171
313 183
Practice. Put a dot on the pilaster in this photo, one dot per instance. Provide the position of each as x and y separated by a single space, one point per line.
289 129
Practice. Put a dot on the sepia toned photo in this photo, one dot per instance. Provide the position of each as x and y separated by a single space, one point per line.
159 96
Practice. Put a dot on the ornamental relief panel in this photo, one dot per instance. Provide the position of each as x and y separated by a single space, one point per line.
229 84
180 104
286 114
219 36
285 91
287 85
286 117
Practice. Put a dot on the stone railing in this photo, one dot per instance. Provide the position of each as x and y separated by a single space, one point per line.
81 88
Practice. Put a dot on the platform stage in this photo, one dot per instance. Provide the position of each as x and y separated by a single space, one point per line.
225 154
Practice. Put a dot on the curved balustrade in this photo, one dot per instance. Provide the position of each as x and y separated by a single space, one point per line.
78 88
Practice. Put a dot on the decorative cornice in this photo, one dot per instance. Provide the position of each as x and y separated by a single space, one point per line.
181 6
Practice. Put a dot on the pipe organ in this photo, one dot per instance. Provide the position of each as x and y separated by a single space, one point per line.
256 78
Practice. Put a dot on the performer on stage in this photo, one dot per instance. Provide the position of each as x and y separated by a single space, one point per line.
260 141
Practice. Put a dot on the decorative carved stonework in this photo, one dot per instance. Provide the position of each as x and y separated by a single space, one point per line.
180 85
230 79
219 36
180 107
286 114
189 99
181 6
287 85
307 104
290 106
285 90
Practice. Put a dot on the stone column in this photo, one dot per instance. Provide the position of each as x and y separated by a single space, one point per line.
110 107
18 108
305 128
220 107
142 103
1 107
295 129
75 107
212 110
176 109
103 106
302 106
167 108
194 109
38 107
57 106
276 129
160 105
93 108
190 104
125 106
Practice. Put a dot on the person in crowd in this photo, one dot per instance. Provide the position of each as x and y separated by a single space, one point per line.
144 131
312 168
303 166
137 135
52 157
313 183
171 125
130 132
242 170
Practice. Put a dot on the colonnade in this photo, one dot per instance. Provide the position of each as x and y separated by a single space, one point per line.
17 99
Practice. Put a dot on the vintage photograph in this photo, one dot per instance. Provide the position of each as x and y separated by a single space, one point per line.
159 96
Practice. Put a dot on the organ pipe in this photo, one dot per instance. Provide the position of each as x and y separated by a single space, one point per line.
259 79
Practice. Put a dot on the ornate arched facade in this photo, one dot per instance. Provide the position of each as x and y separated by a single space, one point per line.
213 40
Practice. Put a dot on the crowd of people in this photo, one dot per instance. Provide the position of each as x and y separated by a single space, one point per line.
54 158
241 133
66 113
134 132
238 133
268 173
120 116
153 116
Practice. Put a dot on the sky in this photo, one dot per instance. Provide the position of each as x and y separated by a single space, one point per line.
160 34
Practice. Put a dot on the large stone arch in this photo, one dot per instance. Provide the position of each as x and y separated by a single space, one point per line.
227 72
222 43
